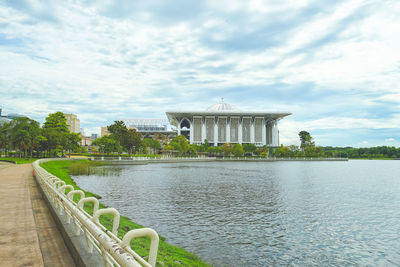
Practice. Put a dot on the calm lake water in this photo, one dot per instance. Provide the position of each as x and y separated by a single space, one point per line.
265 213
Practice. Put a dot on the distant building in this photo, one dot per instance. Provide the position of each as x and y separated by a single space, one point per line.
14 116
86 141
94 136
104 131
150 127
73 123
8 117
224 123
3 119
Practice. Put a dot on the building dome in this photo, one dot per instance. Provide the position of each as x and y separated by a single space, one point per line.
220 107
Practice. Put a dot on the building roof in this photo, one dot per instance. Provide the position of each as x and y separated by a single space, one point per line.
221 109
145 122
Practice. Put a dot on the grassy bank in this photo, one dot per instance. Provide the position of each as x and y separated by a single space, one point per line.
113 155
168 255
18 160
373 158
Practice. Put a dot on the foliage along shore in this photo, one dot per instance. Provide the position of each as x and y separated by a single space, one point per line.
168 255
26 137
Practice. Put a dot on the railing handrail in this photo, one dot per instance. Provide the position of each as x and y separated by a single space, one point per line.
110 247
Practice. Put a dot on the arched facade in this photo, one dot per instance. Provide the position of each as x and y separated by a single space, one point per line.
224 123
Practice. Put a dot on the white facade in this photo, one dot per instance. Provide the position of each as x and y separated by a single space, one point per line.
224 123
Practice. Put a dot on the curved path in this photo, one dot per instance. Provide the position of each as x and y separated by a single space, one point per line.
28 233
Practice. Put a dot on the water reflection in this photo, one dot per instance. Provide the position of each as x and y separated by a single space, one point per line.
105 171
261 214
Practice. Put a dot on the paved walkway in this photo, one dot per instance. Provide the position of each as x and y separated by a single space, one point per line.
28 234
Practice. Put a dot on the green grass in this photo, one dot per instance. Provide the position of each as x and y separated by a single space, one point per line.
113 155
373 158
83 167
168 255
18 160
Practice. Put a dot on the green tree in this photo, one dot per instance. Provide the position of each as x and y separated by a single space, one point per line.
227 148
192 151
119 132
283 151
72 142
108 144
195 148
206 144
41 143
169 148
129 139
162 138
23 134
119 129
56 131
305 139
294 149
215 150
153 144
249 148
238 150
180 144
4 136
203 147
56 121
132 140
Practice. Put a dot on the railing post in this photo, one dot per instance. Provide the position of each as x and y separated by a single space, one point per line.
112 211
126 241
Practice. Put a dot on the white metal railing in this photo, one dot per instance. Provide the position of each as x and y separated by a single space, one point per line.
114 251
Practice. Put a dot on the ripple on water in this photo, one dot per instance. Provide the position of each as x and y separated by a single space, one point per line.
283 213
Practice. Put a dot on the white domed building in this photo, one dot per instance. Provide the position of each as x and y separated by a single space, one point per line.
225 123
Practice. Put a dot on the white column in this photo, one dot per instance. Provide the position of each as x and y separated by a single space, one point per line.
269 141
216 131
179 127
252 130
228 130
264 133
240 132
275 138
203 129
191 133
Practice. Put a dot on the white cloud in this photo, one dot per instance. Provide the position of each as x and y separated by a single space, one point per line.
395 98
107 68
289 128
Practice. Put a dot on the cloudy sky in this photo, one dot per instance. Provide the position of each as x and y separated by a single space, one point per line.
334 64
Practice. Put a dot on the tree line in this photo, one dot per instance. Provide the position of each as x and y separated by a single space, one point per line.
307 148
363 153
124 139
25 135
120 139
